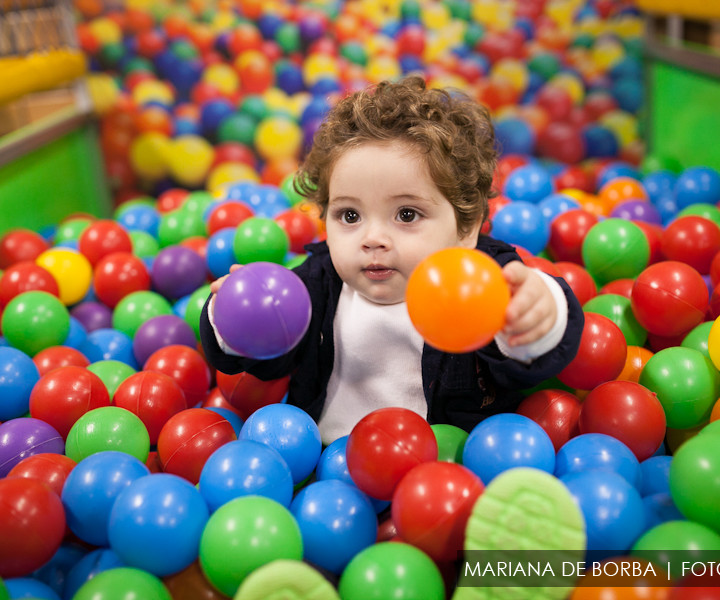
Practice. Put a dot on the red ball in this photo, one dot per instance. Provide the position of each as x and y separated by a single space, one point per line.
411 40
431 506
32 522
715 270
556 101
171 199
556 411
601 356
21 245
186 366
215 399
574 177
103 237
228 214
247 393
59 356
189 438
233 152
118 275
564 142
669 297
52 469
622 287
567 232
384 446
628 412
692 240
505 165
300 228
154 397
26 276
542 264
580 281
653 234
63 395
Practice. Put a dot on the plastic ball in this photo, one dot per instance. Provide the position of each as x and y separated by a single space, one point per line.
112 372
618 309
615 249
33 525
561 141
556 411
187 440
300 228
25 276
90 565
220 255
245 534
431 506
384 446
692 240
686 383
567 234
136 308
636 210
451 442
91 489
637 357
186 366
697 184
161 331
506 441
262 310
291 431
259 239
51 469
24 437
669 298
189 158
515 136
245 468
522 223
108 344
123 582
117 275
655 475
336 520
530 183
71 270
18 376
600 357
19 245
455 281
391 569
34 321
278 137
108 428
580 281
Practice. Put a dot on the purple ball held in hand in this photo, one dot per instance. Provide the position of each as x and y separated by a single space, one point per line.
262 310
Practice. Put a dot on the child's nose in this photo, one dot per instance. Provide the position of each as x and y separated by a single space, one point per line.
376 236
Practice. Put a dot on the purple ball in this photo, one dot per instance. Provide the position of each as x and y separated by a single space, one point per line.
262 310
177 271
161 331
93 315
23 437
637 210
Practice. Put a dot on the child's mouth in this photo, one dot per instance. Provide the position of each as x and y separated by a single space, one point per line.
378 272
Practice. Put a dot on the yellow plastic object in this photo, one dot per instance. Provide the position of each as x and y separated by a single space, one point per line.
696 9
39 71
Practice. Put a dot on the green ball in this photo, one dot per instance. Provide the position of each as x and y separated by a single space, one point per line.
137 64
184 50
143 244
71 230
194 308
123 583
295 261
617 308
244 534
354 52
126 206
544 64
695 480
289 190
583 40
391 570
112 373
198 202
707 211
287 37
4 594
112 54
686 383
178 225
238 127
697 338
661 544
410 9
712 428
33 321
108 428
615 249
450 441
459 9
255 106
474 32
260 239
136 308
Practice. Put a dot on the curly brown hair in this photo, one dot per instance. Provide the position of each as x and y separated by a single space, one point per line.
451 132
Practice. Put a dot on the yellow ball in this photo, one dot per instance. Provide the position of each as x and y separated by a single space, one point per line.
622 124
223 77
435 16
149 155
277 101
230 172
70 269
189 158
514 71
152 90
278 137
572 84
103 91
607 52
381 68
319 66
106 31
714 343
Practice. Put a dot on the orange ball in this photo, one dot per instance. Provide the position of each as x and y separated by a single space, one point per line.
637 358
715 414
457 298
620 189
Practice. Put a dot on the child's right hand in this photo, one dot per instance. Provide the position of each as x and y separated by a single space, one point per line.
215 285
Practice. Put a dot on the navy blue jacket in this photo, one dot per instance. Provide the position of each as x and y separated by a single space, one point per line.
460 389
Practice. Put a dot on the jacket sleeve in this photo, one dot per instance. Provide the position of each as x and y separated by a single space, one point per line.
513 374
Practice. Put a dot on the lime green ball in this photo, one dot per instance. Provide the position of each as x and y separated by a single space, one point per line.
178 225
287 37
112 373
287 187
243 535
238 127
197 202
697 338
260 239
707 211
123 583
143 244
71 230
33 321
108 428
136 308
254 106
194 308
125 206
618 309
450 441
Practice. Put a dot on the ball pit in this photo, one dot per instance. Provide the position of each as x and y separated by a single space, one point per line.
209 109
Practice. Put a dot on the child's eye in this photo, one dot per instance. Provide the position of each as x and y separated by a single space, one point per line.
349 216
408 215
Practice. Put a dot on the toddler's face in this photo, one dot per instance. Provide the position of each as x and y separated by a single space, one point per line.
384 216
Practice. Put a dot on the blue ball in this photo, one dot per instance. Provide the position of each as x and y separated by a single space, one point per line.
514 136
18 376
660 508
245 468
267 201
291 431
521 224
91 489
505 441
220 255
658 184
77 335
109 344
556 204
26 587
317 108
600 142
628 93
156 523
88 566
289 78
593 451
529 183
54 573
141 218
613 510
180 306
697 185
617 169
336 521
666 207
233 418
184 126
655 475
213 113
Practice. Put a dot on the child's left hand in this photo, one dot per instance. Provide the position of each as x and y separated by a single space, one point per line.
531 312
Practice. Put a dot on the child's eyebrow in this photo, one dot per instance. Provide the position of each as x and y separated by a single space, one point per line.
414 198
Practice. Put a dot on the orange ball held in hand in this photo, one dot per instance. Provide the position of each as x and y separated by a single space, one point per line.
457 298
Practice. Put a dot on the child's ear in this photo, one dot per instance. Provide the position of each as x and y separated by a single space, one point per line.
470 239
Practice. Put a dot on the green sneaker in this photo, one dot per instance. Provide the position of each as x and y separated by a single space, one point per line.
286 580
